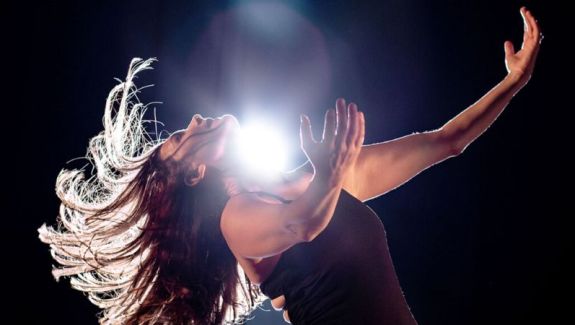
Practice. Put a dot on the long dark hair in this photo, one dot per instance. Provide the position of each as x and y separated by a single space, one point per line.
197 275
144 246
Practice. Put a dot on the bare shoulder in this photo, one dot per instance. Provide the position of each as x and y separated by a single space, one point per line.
256 226
256 268
236 207
242 206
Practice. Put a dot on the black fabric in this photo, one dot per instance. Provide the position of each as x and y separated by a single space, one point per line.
344 276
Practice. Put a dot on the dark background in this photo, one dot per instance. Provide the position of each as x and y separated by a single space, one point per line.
484 238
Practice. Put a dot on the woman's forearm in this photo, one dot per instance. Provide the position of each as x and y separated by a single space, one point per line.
311 212
473 121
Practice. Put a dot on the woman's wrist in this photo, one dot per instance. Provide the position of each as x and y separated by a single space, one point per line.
517 79
328 179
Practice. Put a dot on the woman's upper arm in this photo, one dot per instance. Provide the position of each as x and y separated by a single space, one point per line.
381 167
256 229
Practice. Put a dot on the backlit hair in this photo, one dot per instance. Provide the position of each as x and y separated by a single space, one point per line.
142 245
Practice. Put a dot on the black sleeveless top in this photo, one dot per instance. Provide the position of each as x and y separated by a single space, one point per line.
344 276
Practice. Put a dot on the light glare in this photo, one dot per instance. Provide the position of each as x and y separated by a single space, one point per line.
262 150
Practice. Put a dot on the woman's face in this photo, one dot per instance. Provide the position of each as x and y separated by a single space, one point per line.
206 141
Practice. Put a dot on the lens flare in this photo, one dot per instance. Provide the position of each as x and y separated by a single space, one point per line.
261 149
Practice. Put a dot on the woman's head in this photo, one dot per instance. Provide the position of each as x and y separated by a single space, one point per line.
141 236
206 142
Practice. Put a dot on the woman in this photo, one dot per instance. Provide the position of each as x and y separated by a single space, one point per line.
158 233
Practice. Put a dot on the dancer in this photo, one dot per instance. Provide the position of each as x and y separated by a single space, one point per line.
172 231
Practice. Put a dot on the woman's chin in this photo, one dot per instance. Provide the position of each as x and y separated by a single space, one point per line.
231 121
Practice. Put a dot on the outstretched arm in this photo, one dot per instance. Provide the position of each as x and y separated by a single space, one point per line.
384 166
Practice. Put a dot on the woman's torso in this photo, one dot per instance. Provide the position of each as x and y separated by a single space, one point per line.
343 276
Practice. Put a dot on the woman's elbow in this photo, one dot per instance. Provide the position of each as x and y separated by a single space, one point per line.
449 143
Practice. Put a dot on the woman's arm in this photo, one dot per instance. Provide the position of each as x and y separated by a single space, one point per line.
256 229
472 122
384 166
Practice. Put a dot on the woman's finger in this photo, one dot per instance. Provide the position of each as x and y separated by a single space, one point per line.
361 136
353 127
329 126
534 38
533 23
305 134
537 35
523 12
526 27
342 121
535 30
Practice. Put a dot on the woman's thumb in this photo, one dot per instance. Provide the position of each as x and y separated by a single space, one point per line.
508 47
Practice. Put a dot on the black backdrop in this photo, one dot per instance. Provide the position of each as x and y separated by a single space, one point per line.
483 238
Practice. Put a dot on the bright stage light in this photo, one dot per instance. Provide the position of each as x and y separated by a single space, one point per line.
262 150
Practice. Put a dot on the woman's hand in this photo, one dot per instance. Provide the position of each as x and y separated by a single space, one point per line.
343 135
520 65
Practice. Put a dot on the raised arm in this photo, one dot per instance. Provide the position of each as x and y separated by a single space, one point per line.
384 166
257 229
